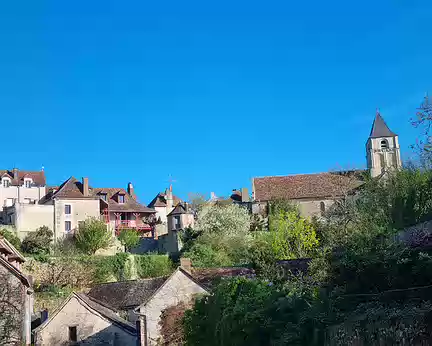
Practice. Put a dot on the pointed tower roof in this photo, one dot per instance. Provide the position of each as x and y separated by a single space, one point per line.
380 128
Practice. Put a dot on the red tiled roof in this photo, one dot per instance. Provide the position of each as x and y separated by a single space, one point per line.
130 204
320 185
38 177
160 200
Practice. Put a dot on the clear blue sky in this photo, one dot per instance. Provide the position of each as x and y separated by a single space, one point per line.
212 93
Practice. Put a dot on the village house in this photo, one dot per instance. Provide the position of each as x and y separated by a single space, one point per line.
145 300
82 319
26 187
16 297
315 193
63 208
164 204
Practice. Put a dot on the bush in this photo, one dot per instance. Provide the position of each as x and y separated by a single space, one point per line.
92 235
38 242
153 265
129 238
205 255
11 237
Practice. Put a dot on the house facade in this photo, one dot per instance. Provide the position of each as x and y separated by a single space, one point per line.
25 187
16 303
63 208
315 193
83 320
164 203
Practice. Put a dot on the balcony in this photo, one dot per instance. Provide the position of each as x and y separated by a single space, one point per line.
136 224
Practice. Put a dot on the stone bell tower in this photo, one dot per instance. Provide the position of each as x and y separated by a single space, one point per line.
382 148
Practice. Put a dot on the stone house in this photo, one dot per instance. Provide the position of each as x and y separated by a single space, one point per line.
145 300
26 187
315 193
164 203
64 207
180 218
83 320
16 303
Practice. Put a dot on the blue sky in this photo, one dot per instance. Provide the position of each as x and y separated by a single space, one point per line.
212 93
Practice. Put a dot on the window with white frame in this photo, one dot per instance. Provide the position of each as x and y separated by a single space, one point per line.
177 222
68 226
68 209
6 182
27 183
121 199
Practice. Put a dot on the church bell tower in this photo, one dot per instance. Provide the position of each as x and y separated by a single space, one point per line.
382 148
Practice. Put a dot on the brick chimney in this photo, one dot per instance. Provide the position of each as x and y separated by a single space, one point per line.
85 185
15 173
186 264
130 190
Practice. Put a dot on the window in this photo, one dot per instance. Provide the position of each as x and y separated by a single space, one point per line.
73 336
103 196
121 198
177 222
384 144
68 209
6 182
27 183
68 226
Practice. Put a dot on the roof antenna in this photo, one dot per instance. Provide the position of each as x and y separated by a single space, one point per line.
43 168
377 111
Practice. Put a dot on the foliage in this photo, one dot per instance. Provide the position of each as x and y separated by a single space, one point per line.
92 235
153 265
188 237
424 122
205 255
258 223
171 324
38 242
250 312
11 237
129 238
291 236
63 247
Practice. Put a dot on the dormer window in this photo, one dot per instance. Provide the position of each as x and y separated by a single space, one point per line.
103 196
384 144
27 183
6 182
121 199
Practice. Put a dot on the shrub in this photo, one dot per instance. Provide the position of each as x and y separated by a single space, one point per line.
38 242
11 237
153 265
129 238
205 255
92 235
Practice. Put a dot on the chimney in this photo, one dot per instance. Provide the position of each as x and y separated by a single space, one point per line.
85 187
186 264
212 195
15 173
130 190
169 199
244 194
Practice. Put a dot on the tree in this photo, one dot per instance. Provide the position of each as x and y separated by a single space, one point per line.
424 121
129 238
92 235
38 242
11 238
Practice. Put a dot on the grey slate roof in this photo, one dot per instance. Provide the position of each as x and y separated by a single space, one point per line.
126 294
380 128
179 209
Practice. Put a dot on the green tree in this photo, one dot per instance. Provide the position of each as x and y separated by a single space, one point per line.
11 237
38 242
129 238
92 235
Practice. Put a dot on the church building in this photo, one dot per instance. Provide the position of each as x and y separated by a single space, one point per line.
315 193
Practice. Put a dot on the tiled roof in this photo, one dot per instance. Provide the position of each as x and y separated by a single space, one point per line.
38 177
380 128
210 276
180 208
72 188
160 200
129 205
319 185
126 294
